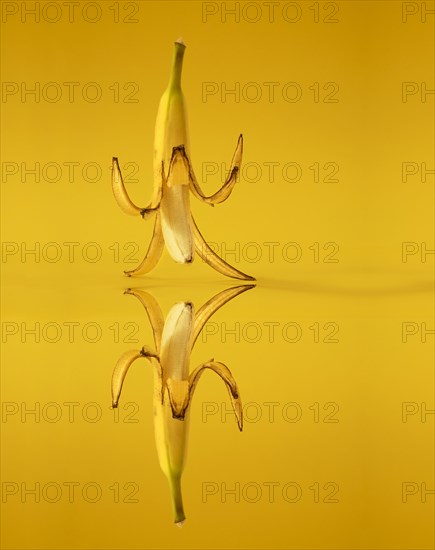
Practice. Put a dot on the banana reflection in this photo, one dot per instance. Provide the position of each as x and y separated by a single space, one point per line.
174 384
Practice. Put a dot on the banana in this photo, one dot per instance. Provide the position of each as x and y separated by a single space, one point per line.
174 180
171 132
174 385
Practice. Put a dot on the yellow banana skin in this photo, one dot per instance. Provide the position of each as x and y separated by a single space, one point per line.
170 133
171 426
174 384
174 180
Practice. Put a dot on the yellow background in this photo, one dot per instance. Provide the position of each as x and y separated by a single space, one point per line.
369 292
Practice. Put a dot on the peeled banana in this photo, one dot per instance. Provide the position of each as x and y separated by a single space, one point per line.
174 384
174 179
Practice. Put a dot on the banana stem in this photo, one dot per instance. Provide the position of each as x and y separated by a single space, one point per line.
177 64
177 500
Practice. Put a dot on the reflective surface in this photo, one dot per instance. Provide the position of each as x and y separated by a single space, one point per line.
333 214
